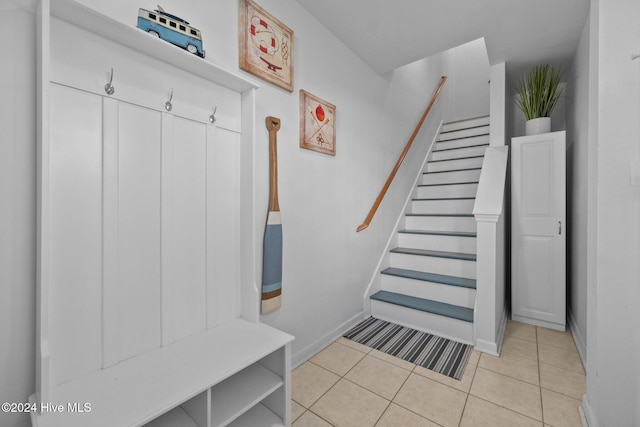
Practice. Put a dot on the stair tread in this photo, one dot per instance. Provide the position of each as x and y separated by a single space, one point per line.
453 170
434 253
468 119
464 215
448 183
460 148
462 282
440 233
426 305
461 129
444 198
463 137
456 158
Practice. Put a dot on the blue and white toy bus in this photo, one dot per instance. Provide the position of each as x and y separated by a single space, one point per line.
172 29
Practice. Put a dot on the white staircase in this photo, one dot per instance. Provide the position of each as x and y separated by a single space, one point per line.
430 284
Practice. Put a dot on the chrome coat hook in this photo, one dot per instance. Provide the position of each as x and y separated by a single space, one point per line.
108 88
212 117
167 105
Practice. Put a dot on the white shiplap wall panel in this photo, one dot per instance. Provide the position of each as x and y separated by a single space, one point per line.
75 321
224 227
138 304
188 226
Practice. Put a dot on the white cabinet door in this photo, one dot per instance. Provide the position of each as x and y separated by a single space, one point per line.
538 243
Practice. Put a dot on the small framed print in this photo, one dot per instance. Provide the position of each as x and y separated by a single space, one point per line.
266 45
317 124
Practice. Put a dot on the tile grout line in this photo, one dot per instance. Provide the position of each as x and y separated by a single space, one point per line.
396 394
508 376
466 399
506 407
320 397
513 378
539 376
340 378
371 391
510 410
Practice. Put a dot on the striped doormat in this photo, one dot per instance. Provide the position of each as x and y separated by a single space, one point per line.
429 351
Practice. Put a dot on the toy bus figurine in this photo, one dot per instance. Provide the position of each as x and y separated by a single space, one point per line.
172 29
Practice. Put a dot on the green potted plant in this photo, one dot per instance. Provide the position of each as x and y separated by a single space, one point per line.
538 94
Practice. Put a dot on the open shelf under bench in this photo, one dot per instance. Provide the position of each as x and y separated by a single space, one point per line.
138 390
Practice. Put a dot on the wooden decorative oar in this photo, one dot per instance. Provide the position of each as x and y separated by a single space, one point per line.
272 256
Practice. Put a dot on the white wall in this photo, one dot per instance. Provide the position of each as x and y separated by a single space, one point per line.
613 351
577 113
327 265
17 211
468 69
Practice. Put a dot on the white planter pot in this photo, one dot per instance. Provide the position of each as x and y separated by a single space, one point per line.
538 126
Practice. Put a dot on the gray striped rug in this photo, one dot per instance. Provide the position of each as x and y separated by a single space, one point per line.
435 353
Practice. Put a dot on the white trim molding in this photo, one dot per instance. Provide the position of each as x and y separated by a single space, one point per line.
490 310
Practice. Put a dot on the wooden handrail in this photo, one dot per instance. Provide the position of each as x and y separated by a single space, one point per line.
392 175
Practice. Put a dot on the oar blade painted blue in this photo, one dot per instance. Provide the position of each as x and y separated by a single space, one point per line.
272 264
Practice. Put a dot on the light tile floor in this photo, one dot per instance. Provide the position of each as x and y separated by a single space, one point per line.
538 380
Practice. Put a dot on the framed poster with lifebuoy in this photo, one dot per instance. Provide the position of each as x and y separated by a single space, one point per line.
317 124
266 45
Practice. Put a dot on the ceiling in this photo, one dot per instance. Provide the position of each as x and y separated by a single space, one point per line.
387 34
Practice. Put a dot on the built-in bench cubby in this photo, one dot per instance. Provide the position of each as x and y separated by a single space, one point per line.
148 243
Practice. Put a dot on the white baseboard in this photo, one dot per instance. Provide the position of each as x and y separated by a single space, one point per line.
536 322
583 419
302 355
488 347
587 410
502 328
578 338
491 347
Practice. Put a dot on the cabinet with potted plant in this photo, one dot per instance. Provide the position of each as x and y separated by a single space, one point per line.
538 206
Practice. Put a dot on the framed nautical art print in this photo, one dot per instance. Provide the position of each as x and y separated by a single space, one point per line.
266 45
317 124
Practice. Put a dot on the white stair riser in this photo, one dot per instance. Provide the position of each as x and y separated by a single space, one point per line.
456 295
462 133
458 152
436 265
442 206
440 223
479 121
437 242
447 177
446 327
464 142
456 190
446 165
